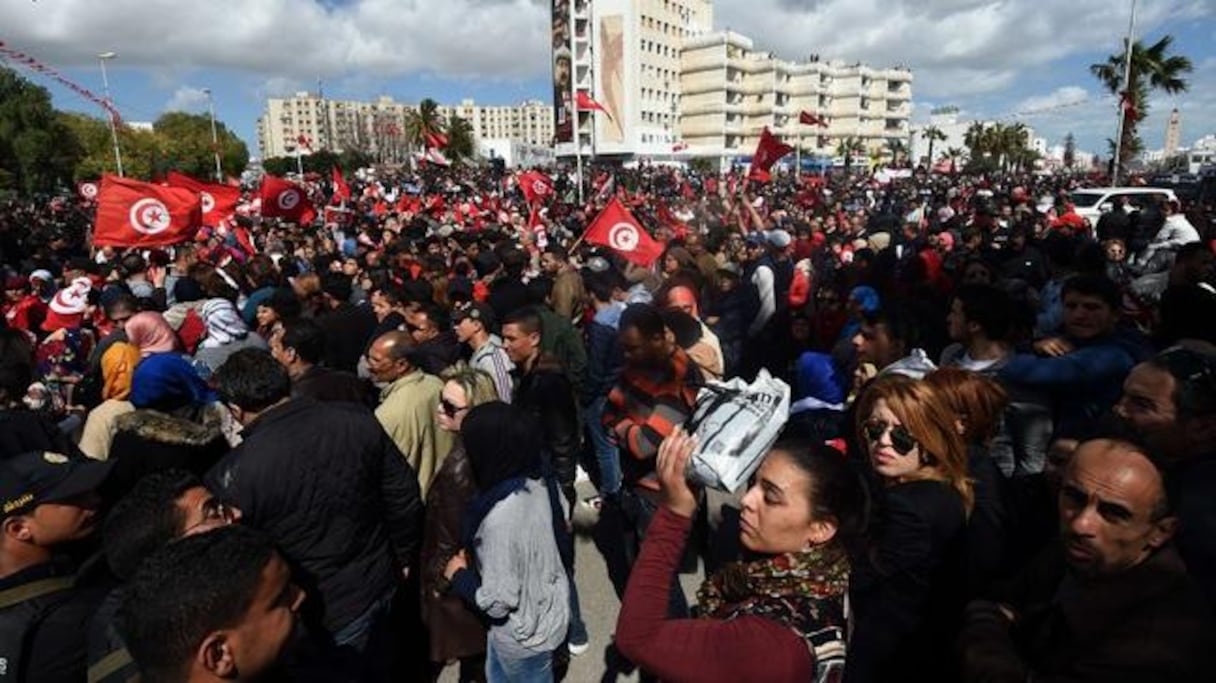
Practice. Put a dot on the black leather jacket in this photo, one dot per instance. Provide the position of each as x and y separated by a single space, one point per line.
545 392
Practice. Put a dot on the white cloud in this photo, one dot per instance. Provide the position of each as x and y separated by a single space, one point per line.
1060 98
187 98
955 47
300 39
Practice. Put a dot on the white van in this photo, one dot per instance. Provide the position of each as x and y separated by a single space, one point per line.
1092 202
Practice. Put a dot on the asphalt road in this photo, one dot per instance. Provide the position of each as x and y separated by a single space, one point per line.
598 601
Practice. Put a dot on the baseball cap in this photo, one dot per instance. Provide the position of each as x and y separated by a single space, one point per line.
31 479
475 310
779 238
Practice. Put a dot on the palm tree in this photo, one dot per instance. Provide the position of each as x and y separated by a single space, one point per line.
896 148
461 142
932 134
847 148
421 122
1010 142
954 154
1152 68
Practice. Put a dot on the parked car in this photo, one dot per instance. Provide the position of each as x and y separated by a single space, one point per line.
1092 202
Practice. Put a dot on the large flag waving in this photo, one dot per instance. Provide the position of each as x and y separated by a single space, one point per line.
536 186
284 199
219 201
767 153
131 213
618 230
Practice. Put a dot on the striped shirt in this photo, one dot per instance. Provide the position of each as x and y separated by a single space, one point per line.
644 407
493 359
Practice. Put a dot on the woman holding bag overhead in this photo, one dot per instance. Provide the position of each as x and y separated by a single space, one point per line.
778 617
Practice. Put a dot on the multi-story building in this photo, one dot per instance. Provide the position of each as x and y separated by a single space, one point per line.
378 127
624 54
673 87
731 92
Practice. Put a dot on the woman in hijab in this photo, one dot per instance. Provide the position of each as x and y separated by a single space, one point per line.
518 551
176 423
226 334
151 333
147 333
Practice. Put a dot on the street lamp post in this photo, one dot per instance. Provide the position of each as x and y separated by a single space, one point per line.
215 141
105 82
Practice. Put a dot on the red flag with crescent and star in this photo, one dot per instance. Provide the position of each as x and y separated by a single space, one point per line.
618 230
536 186
131 213
219 201
285 199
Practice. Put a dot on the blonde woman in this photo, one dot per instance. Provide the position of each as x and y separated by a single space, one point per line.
456 631
908 590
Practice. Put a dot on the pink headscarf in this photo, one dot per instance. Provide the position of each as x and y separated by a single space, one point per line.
151 333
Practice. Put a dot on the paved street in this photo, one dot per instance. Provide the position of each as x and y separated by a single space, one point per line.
599 602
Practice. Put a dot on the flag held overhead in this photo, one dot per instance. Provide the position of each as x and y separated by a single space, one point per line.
131 213
618 230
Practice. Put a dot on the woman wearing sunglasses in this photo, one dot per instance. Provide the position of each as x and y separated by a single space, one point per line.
780 616
456 632
908 589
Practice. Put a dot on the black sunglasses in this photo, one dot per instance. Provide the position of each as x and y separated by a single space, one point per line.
901 439
450 409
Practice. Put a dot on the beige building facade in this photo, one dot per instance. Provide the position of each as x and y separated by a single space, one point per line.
377 127
731 91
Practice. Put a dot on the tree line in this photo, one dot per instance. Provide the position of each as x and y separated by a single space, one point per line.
44 150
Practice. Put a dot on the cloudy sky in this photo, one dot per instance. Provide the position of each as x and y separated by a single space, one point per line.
1021 60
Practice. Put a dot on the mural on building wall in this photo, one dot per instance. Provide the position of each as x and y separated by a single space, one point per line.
563 73
612 78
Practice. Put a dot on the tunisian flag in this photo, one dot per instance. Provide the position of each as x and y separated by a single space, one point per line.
219 201
283 199
618 230
586 103
341 189
767 153
536 186
131 213
808 119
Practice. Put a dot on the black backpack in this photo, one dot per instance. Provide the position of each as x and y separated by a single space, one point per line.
22 610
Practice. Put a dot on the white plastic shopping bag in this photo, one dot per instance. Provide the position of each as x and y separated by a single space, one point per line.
735 424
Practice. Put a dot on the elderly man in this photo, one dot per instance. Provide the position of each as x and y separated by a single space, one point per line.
408 400
1112 601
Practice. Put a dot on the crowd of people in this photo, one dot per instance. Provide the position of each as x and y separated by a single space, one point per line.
353 449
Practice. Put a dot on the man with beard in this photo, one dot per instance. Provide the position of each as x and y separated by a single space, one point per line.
1170 401
1112 601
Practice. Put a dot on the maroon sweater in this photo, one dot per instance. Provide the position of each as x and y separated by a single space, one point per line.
752 649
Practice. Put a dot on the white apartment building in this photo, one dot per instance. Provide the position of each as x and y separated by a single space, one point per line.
730 92
670 82
624 54
378 127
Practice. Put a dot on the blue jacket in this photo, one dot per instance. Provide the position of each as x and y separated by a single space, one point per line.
604 358
1084 384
